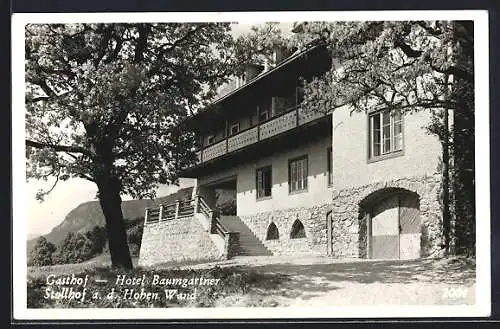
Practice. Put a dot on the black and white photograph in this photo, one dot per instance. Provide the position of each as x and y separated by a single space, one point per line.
251 165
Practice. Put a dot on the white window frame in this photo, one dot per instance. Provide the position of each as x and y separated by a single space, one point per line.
299 166
260 183
382 138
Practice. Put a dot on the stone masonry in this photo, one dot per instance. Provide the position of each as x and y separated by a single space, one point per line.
176 240
185 238
313 219
349 238
348 223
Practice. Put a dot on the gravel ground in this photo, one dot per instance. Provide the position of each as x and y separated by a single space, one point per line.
322 281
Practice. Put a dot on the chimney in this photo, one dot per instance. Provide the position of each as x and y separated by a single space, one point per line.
280 54
252 70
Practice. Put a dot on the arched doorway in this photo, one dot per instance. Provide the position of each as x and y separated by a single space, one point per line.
393 225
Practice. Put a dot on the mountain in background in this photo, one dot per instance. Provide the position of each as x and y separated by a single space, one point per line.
89 214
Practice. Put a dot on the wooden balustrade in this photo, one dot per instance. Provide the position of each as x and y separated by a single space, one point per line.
243 139
183 209
305 116
278 125
214 151
273 126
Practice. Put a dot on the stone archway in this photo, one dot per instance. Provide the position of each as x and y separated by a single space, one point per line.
393 224
349 229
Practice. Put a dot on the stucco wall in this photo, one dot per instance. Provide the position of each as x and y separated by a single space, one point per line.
351 168
318 191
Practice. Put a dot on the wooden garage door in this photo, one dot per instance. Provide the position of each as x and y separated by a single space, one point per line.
385 229
409 219
395 228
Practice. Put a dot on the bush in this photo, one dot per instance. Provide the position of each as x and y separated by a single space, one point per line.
134 235
75 248
78 247
41 254
98 237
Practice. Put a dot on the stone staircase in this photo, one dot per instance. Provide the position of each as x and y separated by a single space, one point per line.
250 245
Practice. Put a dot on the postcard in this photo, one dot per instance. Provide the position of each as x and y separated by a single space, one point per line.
250 165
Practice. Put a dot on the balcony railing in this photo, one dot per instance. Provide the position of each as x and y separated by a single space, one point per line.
274 126
185 209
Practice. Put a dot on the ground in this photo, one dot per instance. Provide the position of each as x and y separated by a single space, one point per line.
323 281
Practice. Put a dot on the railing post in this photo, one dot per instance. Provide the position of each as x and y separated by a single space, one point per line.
297 116
177 203
212 221
196 204
146 216
160 215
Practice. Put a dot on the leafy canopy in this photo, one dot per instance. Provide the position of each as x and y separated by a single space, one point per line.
105 100
394 63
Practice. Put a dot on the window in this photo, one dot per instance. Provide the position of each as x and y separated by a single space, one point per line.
329 163
272 232
300 95
210 139
235 128
298 230
264 182
386 132
297 174
263 116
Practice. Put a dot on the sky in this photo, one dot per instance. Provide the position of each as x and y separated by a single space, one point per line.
43 216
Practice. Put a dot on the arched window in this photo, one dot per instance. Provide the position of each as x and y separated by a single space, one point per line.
272 232
297 230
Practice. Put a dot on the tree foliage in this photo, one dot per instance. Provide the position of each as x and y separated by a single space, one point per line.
104 103
74 248
113 95
41 254
405 64
412 66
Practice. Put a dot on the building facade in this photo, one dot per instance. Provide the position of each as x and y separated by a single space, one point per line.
341 183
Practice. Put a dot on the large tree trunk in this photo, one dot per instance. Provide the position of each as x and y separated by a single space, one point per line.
110 200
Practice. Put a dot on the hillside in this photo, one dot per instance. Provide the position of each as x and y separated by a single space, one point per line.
89 214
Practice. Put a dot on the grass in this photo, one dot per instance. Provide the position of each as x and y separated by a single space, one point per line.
229 282
270 282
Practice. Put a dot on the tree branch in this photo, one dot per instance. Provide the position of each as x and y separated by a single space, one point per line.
59 148
409 51
456 71
141 42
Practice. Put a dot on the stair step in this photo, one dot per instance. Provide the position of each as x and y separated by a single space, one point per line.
250 245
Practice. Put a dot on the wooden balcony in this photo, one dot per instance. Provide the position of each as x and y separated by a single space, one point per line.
273 126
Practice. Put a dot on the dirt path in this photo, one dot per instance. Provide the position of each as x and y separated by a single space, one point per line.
322 281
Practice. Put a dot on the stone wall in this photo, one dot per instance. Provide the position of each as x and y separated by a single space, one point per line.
349 230
313 219
176 240
232 244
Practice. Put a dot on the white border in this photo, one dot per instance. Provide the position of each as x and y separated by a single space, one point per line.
483 283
